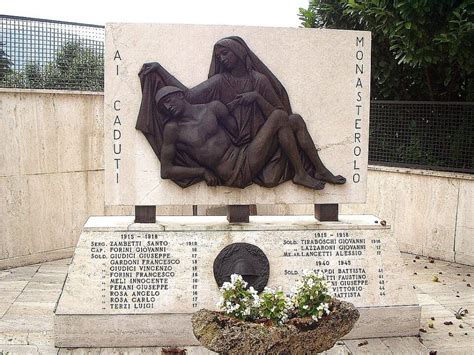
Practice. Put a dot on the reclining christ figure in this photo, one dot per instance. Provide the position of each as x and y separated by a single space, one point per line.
202 132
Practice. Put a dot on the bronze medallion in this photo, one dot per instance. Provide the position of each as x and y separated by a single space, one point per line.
244 259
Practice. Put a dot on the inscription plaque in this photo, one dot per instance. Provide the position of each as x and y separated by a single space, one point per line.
171 271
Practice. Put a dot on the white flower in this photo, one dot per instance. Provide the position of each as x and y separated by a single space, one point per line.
314 318
226 286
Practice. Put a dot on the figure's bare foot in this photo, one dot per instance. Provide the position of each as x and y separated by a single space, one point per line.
308 181
330 177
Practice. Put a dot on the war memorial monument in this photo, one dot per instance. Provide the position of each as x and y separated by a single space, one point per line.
235 116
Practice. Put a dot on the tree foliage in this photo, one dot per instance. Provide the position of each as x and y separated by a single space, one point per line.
421 49
75 67
5 62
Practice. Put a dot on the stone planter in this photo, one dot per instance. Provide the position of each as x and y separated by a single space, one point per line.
228 335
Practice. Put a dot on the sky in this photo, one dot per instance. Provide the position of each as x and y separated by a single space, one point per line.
275 13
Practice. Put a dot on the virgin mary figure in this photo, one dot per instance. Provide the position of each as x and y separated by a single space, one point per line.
241 81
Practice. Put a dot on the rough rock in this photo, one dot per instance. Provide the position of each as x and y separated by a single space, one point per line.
228 335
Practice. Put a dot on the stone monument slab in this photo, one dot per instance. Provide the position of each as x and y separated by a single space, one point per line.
226 115
145 281
326 74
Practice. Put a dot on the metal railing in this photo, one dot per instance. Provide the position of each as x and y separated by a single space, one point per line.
47 54
426 135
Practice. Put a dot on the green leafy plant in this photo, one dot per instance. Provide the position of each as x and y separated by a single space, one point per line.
421 49
274 305
237 300
312 296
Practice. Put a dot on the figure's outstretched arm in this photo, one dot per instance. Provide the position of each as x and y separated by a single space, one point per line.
169 79
168 154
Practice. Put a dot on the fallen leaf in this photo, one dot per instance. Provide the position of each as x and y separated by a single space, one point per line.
365 342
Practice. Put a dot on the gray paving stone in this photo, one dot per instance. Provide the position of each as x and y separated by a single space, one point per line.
49 277
405 345
4 308
27 327
19 349
82 351
24 270
42 286
18 338
12 285
367 346
41 296
23 324
9 296
20 309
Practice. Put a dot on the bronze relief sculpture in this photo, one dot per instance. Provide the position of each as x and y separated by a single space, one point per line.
234 129
243 259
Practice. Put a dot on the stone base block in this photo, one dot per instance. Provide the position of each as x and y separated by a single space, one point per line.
139 330
132 285
130 330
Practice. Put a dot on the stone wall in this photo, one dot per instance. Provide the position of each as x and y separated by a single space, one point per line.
51 180
430 211
51 173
